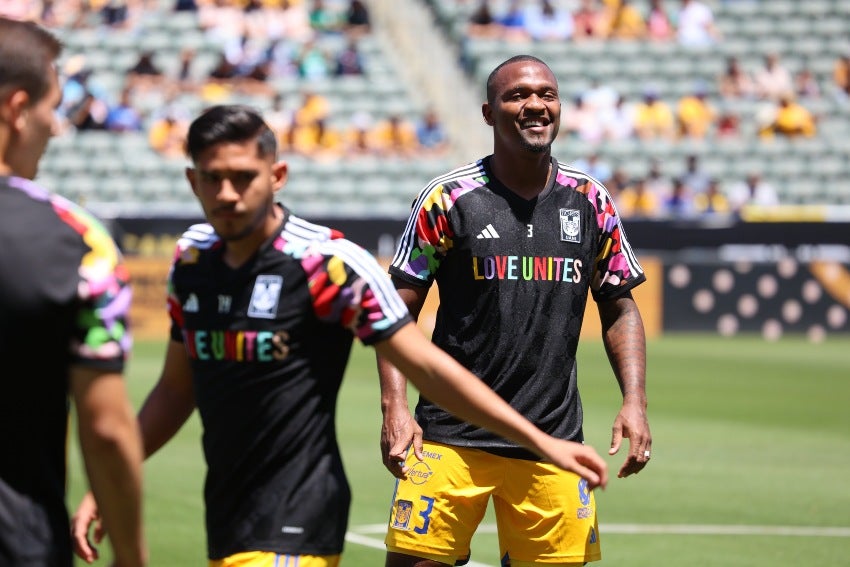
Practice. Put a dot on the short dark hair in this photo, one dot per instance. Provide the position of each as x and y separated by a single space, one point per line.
27 50
491 79
230 123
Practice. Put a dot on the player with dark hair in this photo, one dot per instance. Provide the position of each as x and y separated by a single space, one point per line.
64 298
515 241
264 309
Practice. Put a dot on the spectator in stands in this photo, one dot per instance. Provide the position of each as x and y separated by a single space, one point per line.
323 19
223 22
395 137
312 107
589 21
482 23
695 114
358 20
679 203
626 22
283 56
359 137
262 23
596 166
20 10
281 119
431 136
123 116
841 78
638 201
318 141
579 120
735 82
712 201
167 135
695 178
773 80
293 21
618 121
49 15
250 53
117 14
695 26
618 182
185 77
349 60
145 74
806 84
185 6
89 114
659 25
513 22
753 191
76 84
546 21
600 96
255 81
656 181
654 119
313 61
728 124
218 84
790 119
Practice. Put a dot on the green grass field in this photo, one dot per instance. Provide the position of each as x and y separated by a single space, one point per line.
751 459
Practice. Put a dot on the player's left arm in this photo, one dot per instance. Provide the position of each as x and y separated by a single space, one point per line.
625 343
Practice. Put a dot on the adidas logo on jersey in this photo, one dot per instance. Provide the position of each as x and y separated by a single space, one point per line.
488 232
191 305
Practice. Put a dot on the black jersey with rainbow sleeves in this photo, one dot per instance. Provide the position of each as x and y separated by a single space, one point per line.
268 344
513 278
65 297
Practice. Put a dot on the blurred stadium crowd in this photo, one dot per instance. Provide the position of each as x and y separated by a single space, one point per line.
683 108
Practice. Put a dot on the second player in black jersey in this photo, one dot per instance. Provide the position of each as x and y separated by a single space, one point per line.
264 309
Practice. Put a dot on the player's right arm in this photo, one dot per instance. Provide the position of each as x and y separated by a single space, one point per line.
112 451
399 429
166 409
445 382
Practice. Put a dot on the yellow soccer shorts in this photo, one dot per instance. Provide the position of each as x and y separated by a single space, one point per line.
544 515
268 559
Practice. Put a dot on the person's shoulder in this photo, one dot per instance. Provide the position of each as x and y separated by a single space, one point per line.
298 228
315 245
467 176
575 170
83 220
198 237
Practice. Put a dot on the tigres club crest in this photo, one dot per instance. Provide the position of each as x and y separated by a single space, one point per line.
570 225
403 511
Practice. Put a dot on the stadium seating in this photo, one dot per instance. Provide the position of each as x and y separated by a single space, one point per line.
811 32
119 174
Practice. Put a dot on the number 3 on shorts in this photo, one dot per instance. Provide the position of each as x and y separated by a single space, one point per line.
426 515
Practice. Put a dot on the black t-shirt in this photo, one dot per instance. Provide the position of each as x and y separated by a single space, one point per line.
64 299
513 277
268 344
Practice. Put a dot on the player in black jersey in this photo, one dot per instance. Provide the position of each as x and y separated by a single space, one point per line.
64 300
515 241
264 308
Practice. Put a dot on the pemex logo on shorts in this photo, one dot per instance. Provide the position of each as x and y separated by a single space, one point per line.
570 225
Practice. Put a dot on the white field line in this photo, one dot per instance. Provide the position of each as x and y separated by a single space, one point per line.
680 529
359 534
